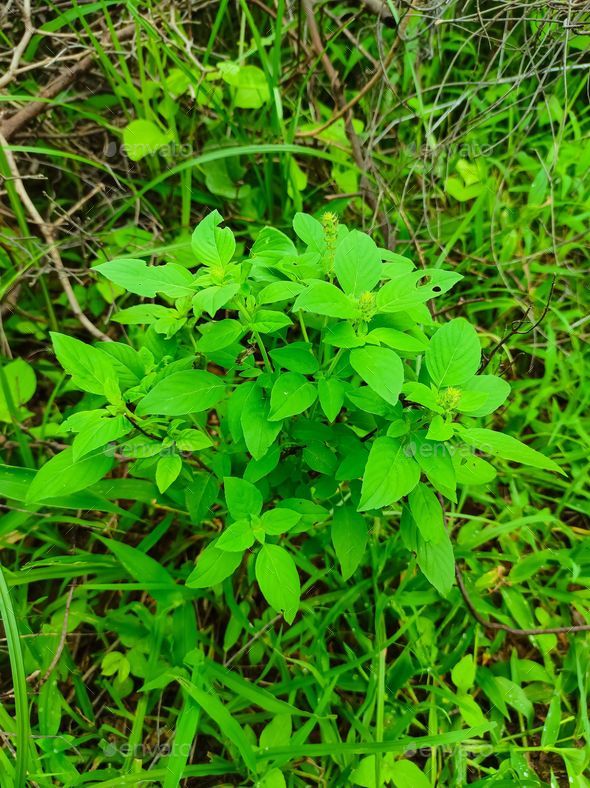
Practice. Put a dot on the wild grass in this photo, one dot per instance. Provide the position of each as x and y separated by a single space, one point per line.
470 149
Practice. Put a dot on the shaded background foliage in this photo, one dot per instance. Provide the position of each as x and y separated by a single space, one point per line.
458 133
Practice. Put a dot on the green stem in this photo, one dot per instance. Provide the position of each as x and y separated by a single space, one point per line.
17 666
265 356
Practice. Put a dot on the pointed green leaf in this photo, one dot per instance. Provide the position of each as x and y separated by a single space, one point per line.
211 244
243 499
390 474
323 298
191 391
508 448
237 537
62 475
291 395
381 369
454 353
89 368
278 579
136 276
213 566
349 537
357 263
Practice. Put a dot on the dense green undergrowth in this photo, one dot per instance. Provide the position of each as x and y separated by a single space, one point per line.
259 589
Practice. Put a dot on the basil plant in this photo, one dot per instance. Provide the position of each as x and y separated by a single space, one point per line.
273 395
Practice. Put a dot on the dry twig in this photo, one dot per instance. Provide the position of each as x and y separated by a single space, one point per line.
48 233
21 118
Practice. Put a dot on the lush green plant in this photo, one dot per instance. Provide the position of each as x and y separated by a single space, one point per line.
308 381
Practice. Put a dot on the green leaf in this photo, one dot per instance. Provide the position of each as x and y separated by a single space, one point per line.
192 440
440 429
245 688
331 395
62 475
142 314
405 774
277 732
243 499
142 138
213 566
310 231
191 391
279 291
342 335
357 263
20 379
515 696
470 469
290 395
270 247
463 674
218 335
423 395
495 390
552 724
259 432
323 298
454 353
277 577
279 521
427 513
250 87
200 495
90 369
405 292
296 357
381 369
211 244
349 537
508 448
398 340
211 299
136 276
237 537
389 475
101 432
435 461
167 471
437 562
462 193
267 321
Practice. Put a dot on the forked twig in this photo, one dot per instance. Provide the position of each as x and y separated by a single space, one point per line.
516 329
62 639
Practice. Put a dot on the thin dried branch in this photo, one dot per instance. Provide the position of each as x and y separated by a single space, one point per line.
20 47
49 235
67 77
